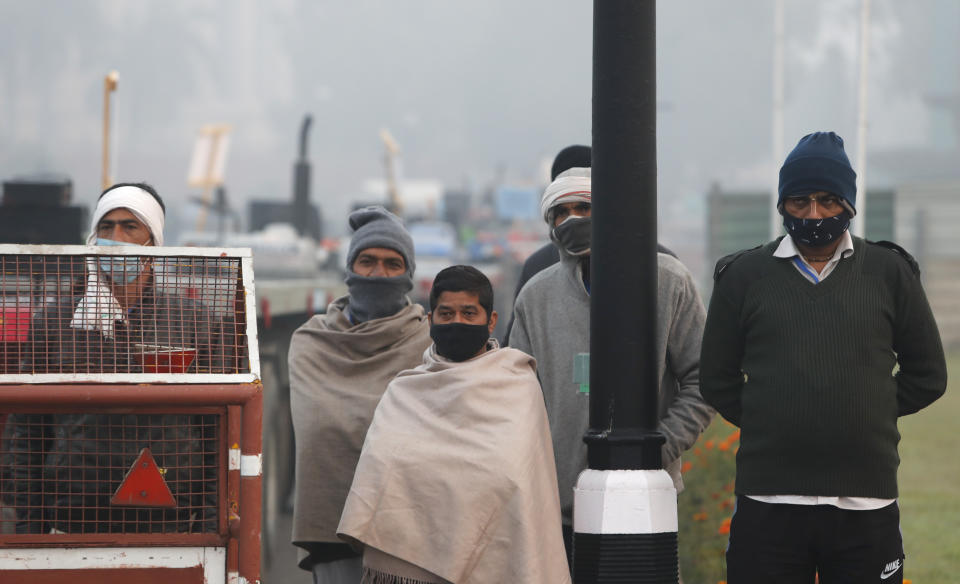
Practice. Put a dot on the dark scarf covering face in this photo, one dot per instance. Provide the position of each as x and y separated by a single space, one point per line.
373 297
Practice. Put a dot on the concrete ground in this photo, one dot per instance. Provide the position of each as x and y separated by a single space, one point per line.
279 557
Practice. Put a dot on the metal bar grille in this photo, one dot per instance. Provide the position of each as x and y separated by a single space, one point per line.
59 470
123 313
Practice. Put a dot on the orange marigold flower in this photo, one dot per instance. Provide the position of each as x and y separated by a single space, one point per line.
701 516
726 504
698 451
734 436
724 527
724 446
687 465
708 444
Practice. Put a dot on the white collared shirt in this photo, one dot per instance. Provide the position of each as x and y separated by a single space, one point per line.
788 250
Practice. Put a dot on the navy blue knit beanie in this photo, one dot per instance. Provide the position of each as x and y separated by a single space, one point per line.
818 163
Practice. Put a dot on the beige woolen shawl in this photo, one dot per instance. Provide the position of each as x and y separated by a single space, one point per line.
338 371
457 474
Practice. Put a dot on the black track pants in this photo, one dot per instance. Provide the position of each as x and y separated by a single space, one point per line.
790 544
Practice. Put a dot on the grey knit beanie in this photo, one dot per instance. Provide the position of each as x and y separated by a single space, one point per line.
377 227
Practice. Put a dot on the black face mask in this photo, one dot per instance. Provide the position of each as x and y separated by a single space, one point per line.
573 235
816 232
459 341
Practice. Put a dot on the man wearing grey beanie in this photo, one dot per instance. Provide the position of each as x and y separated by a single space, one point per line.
340 364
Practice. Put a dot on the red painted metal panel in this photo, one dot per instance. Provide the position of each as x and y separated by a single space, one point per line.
191 575
84 394
14 324
251 490
238 411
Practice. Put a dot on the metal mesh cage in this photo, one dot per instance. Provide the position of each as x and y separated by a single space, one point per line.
60 470
123 313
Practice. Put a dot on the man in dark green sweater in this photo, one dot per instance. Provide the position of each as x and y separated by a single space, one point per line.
800 345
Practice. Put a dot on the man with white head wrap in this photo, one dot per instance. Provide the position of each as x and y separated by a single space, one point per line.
574 156
552 323
126 214
97 332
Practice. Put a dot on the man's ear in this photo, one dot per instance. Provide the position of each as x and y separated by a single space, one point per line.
430 317
493 322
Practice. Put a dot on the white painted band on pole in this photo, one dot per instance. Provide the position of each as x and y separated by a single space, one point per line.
251 465
624 502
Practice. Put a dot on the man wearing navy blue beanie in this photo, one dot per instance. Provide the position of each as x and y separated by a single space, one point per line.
801 340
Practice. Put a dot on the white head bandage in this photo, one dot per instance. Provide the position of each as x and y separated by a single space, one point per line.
139 202
570 186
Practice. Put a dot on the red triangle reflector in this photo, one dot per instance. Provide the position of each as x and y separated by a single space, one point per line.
144 485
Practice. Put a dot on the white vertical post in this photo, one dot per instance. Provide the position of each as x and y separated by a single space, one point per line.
109 86
777 119
859 227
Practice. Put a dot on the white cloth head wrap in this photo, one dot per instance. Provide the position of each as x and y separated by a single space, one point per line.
570 186
99 309
139 202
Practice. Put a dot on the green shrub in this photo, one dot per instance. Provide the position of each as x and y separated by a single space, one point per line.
706 504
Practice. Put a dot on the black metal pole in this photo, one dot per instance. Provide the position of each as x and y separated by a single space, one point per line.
625 514
623 277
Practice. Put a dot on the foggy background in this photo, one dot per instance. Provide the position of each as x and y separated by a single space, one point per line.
480 95
475 93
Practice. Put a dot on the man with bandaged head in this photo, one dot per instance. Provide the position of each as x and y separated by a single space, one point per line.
552 323
56 483
340 365
576 155
121 307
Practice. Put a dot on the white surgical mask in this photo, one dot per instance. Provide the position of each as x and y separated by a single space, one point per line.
120 269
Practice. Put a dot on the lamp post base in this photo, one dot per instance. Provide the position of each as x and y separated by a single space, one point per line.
625 527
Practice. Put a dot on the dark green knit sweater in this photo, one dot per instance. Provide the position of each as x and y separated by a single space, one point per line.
807 370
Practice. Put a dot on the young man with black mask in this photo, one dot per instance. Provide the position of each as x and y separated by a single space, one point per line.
340 364
800 347
552 323
456 481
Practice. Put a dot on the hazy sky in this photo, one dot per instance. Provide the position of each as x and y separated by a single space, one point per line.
467 88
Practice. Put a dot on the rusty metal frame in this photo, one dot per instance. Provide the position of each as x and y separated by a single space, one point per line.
248 302
239 513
